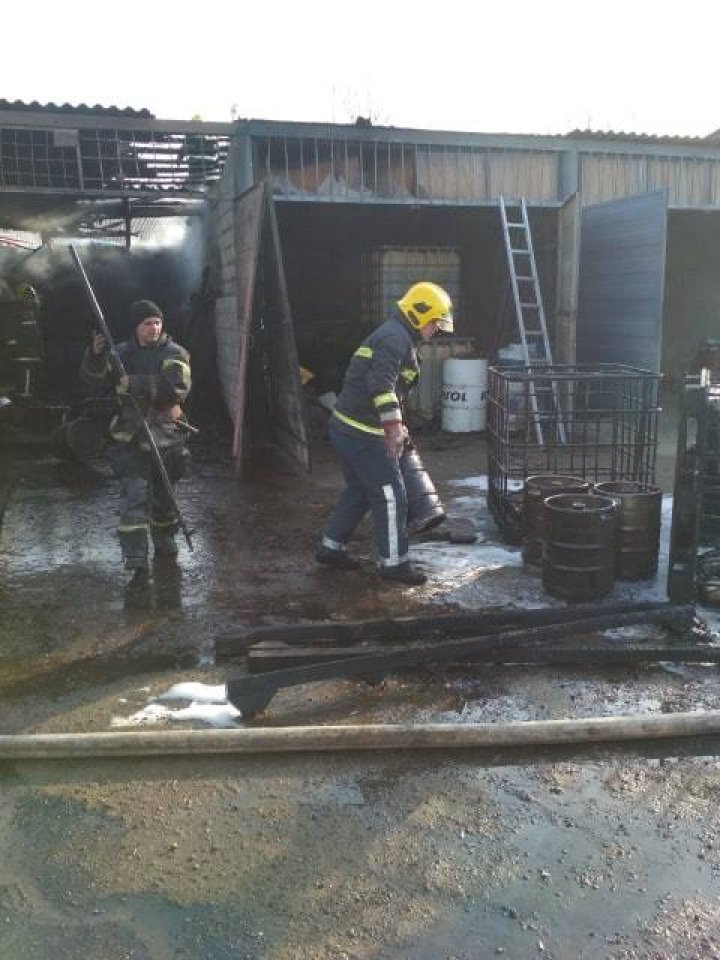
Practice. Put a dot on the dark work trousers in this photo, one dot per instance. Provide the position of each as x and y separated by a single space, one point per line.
146 506
372 482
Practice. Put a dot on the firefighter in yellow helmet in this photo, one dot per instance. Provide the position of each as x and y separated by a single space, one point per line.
368 433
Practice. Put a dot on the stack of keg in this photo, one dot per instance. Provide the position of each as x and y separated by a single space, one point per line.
587 537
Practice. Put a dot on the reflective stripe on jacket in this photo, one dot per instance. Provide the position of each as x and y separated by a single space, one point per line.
159 379
380 373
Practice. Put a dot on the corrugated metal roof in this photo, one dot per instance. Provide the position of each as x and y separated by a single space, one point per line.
617 135
82 108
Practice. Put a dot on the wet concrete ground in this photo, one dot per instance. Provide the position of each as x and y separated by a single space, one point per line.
601 853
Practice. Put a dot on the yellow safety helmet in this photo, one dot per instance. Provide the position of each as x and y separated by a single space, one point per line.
426 302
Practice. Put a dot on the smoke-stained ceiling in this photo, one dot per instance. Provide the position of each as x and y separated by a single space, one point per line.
52 216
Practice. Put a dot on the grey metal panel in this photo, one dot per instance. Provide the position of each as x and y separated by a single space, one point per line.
568 268
622 272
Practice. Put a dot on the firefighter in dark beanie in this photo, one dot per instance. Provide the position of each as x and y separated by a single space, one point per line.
158 377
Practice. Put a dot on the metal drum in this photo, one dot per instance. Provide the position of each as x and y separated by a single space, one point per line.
535 491
708 577
579 556
425 510
637 543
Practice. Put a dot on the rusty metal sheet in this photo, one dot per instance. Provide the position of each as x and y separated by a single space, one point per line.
287 419
249 210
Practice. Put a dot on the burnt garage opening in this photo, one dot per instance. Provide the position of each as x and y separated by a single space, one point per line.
649 285
691 311
331 253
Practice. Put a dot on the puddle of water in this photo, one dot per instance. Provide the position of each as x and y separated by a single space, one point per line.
477 483
491 572
585 873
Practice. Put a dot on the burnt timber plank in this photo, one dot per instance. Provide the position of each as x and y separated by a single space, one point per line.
654 652
438 627
251 693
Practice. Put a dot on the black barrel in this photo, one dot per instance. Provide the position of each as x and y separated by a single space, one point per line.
637 542
84 437
535 491
425 510
579 555
708 577
710 519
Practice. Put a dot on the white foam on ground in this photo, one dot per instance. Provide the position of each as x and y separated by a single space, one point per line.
208 704
213 714
198 692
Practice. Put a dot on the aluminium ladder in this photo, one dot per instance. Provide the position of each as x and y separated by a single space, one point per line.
529 308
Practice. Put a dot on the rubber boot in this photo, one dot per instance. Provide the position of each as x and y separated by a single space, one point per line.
404 573
134 545
339 559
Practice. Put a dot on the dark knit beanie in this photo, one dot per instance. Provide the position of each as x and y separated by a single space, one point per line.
142 309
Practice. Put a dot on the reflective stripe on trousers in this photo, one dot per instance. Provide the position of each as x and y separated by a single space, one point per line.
372 482
145 501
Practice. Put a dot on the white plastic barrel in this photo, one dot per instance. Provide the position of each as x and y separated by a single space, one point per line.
464 394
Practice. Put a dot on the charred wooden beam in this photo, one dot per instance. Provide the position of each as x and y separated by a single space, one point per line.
283 657
436 627
251 694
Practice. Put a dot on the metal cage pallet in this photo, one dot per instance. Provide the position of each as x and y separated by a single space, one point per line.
604 427
695 530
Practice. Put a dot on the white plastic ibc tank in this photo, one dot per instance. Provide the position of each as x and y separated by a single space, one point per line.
464 394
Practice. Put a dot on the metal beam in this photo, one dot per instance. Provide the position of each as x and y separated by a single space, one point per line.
315 199
559 143
98 121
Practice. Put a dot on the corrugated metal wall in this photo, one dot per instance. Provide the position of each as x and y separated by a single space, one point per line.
337 164
622 267
689 182
343 169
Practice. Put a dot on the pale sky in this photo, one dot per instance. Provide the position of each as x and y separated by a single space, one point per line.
517 66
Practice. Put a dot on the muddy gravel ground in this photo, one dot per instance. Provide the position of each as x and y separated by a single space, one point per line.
599 852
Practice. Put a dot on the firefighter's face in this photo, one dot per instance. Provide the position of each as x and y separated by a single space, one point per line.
429 330
148 331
